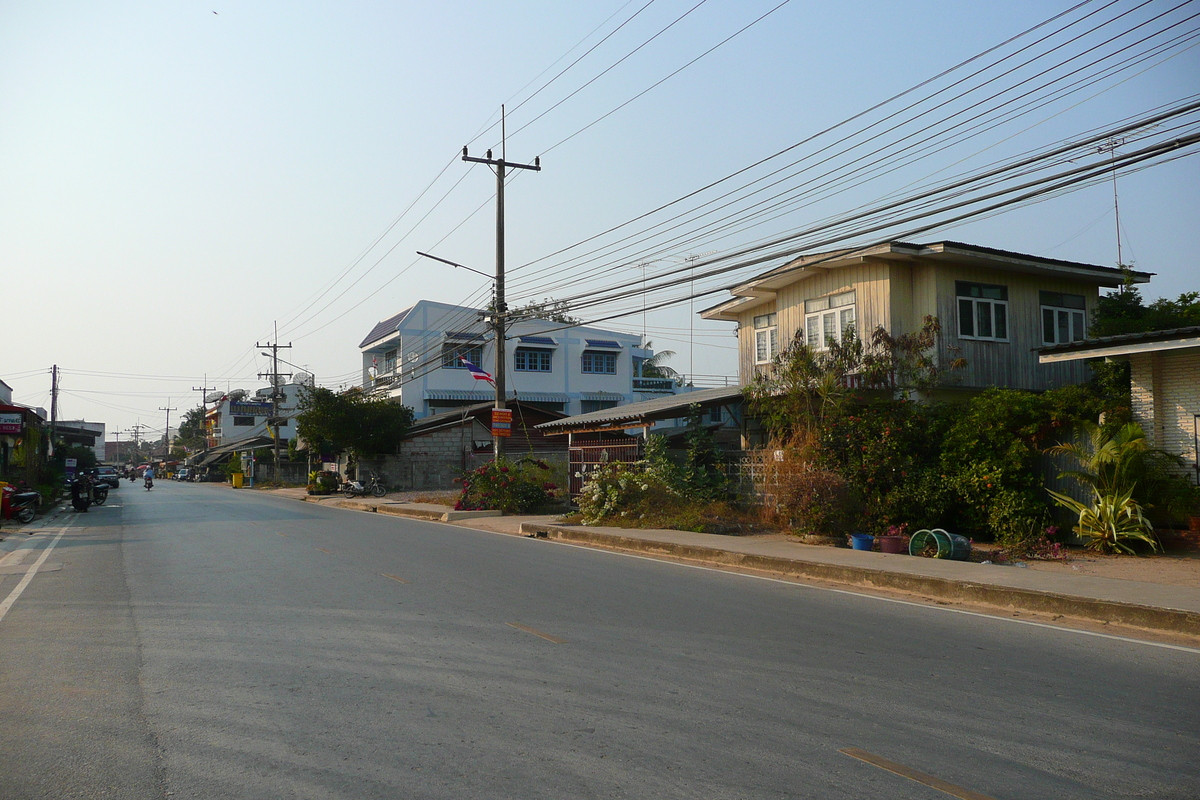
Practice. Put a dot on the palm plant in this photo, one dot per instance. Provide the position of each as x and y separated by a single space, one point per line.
1109 468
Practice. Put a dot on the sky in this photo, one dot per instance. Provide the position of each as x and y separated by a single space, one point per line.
180 180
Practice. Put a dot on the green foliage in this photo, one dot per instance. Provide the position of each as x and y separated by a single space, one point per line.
619 489
191 433
234 464
336 423
1124 311
549 308
85 457
889 452
803 388
514 487
293 454
322 482
1111 522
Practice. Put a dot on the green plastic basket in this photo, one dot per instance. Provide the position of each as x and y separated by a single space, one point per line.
949 545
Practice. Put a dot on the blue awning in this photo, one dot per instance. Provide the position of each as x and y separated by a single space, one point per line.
546 340
603 343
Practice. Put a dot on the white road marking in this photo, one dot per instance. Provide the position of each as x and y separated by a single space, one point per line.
16 593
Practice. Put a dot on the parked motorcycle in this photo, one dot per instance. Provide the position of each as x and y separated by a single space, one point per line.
356 489
22 504
99 493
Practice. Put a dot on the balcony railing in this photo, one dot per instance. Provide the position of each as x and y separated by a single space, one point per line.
653 385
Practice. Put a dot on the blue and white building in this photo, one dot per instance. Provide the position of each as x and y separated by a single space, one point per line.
414 357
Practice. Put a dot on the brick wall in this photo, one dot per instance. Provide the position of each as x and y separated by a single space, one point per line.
1166 399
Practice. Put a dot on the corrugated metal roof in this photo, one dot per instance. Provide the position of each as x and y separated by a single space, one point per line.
646 411
1124 338
1145 337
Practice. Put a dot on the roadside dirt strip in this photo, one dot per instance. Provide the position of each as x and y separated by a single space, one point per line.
1168 620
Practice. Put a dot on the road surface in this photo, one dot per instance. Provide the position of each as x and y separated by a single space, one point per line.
200 642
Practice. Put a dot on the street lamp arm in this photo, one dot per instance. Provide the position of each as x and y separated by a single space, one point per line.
455 264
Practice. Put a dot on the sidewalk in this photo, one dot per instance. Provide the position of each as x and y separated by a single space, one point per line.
1163 607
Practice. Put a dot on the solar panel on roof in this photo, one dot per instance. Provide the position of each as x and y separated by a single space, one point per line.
602 343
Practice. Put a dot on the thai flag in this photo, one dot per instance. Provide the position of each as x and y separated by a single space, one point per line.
478 373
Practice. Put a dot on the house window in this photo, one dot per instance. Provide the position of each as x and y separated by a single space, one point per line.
766 338
528 359
594 363
389 361
1062 317
452 351
243 422
828 318
982 311
586 406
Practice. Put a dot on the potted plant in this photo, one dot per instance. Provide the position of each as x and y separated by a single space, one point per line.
894 539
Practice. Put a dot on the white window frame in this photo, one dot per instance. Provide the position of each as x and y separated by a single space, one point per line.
829 317
451 351
983 305
766 338
1074 318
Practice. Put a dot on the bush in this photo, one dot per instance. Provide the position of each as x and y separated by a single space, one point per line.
639 496
514 487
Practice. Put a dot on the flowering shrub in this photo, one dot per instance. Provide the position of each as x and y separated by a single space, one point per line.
513 487
617 489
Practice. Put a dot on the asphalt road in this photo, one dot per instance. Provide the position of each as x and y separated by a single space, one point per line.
199 642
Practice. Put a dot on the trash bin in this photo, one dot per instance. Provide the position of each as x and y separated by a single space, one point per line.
237 479
862 541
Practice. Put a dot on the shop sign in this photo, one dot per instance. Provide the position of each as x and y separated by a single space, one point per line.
10 423
501 422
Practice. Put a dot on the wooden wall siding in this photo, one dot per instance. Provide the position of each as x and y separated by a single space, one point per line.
872 306
1166 399
1012 364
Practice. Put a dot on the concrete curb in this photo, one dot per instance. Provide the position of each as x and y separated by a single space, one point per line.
1161 619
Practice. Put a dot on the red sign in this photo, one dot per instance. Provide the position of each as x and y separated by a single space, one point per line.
501 422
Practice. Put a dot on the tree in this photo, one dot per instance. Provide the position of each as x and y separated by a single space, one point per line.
655 366
191 435
350 422
549 308
1125 311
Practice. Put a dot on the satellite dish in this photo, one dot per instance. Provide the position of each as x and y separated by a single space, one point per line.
304 379
412 357
213 397
237 394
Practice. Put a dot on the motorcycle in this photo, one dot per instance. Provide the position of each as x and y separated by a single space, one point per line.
22 505
99 493
356 488
149 483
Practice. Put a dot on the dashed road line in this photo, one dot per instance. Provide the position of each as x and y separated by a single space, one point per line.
323 550
913 775
536 632
396 578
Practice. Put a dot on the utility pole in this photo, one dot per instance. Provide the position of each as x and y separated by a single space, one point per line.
274 375
500 308
1111 148
53 408
204 390
136 431
167 432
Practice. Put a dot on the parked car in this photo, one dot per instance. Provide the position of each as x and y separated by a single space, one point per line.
105 475
183 474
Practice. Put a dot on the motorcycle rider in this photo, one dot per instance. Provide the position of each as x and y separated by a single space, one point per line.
149 476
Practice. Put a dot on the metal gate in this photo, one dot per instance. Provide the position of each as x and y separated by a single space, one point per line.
587 457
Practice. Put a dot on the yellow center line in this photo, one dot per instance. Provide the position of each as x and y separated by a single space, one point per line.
393 577
913 775
323 550
536 632
284 535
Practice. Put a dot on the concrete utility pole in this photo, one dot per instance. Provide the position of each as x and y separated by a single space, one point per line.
204 390
136 431
500 310
53 408
274 374
167 431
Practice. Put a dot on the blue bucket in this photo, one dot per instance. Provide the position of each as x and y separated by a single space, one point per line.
862 541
